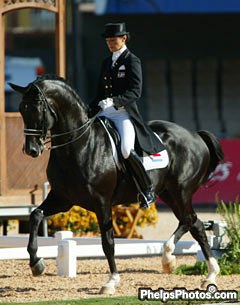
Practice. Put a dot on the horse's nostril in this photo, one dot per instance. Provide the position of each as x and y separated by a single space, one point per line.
32 147
34 152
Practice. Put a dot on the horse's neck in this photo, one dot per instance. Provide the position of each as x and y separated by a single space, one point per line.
70 115
69 128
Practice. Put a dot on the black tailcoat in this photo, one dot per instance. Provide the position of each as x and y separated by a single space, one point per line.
123 83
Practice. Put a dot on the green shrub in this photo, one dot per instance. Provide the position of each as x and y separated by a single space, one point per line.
230 261
198 268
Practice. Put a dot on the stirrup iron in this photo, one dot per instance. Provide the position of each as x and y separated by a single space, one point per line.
145 203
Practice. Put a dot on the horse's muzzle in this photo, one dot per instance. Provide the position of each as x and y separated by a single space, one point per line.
33 148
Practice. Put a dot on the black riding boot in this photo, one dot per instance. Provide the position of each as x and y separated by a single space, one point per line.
141 179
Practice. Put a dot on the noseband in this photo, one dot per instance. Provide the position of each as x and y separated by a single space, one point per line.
45 138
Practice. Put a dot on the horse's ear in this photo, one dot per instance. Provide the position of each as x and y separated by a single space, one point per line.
19 89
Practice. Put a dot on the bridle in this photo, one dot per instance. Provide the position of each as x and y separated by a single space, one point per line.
46 137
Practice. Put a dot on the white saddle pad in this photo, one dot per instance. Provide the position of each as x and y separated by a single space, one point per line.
159 160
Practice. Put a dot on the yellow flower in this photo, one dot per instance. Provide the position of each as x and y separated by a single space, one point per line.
80 220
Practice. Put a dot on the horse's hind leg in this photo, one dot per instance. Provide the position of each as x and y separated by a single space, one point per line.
182 209
168 259
198 232
188 221
104 215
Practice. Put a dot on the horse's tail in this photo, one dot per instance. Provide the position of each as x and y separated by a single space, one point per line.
215 149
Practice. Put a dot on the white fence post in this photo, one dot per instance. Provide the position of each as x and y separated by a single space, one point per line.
60 235
67 258
218 241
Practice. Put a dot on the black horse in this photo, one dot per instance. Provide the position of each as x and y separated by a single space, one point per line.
81 170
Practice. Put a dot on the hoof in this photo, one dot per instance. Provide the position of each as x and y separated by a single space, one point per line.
170 266
39 267
109 287
107 290
205 283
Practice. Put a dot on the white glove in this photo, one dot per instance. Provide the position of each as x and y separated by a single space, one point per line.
104 104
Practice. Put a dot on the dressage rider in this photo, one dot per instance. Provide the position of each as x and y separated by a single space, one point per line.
119 89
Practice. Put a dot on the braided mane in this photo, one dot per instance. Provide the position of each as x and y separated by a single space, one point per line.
50 77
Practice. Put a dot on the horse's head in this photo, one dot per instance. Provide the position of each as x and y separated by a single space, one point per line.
38 117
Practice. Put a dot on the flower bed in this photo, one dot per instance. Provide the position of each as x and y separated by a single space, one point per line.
125 220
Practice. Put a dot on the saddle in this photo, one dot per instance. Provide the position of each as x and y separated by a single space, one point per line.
156 161
112 130
115 141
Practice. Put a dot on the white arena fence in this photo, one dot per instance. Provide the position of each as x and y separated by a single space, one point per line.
15 246
66 249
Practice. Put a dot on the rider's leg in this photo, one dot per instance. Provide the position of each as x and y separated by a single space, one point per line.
121 120
141 179
140 176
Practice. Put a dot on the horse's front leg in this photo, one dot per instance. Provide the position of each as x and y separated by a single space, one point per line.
50 206
104 216
37 264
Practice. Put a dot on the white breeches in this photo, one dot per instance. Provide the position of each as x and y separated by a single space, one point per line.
121 120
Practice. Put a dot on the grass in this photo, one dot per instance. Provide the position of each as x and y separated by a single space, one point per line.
107 301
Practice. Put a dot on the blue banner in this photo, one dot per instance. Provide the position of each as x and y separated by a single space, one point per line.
167 6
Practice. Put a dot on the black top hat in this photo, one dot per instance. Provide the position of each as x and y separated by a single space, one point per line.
115 29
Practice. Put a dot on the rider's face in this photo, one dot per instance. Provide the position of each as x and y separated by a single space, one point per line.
116 43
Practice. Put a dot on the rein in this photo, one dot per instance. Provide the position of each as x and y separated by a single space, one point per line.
86 125
45 137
